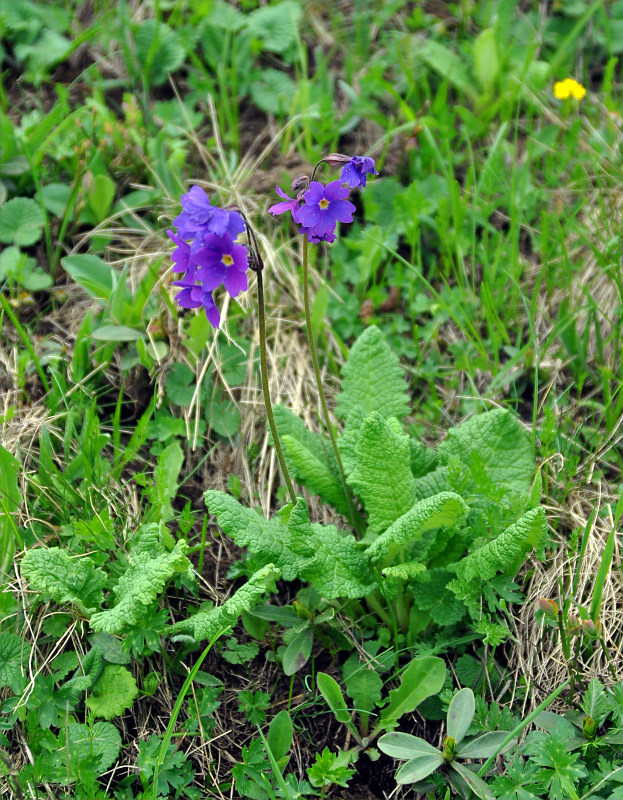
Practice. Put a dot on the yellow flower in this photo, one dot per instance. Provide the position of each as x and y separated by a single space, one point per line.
569 88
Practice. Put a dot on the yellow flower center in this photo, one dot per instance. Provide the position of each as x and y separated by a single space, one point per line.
227 260
324 203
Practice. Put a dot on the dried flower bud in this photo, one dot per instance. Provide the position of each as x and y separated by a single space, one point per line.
449 748
592 629
574 626
548 607
300 183
589 726
337 159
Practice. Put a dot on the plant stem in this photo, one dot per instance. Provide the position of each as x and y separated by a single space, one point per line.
267 402
352 511
563 636
523 724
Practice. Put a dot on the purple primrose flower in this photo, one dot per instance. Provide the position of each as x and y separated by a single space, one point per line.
194 295
212 257
181 255
324 207
289 204
200 218
356 172
222 261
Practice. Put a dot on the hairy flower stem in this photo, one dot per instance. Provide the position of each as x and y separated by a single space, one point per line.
355 519
265 390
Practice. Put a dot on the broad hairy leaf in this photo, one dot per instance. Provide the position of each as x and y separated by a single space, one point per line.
66 580
139 586
271 540
507 551
310 459
372 379
444 510
338 567
14 656
207 624
382 475
500 442
113 693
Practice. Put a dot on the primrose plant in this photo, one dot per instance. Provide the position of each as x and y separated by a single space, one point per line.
422 759
430 536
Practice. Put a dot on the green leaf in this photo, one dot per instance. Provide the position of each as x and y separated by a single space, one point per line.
14 656
268 539
297 653
404 572
372 379
93 274
330 768
276 25
364 688
330 690
448 64
180 384
273 91
475 783
280 735
419 768
338 568
460 714
310 459
382 475
484 746
116 333
65 579
10 501
486 61
319 310
56 197
444 510
101 743
405 746
21 222
159 50
139 586
113 693
205 625
499 441
506 552
100 196
423 678
166 476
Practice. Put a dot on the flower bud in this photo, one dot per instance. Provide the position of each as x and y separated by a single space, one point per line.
337 159
592 629
548 607
301 182
589 726
449 748
574 626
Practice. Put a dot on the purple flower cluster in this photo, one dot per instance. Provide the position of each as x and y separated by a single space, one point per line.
206 252
318 209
